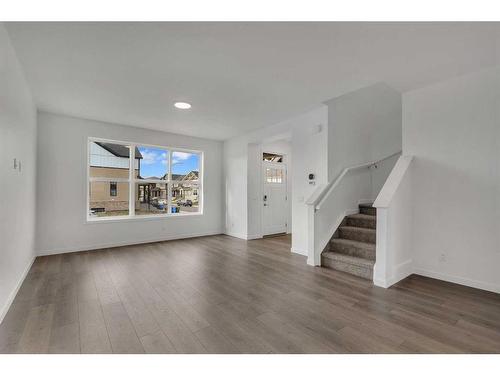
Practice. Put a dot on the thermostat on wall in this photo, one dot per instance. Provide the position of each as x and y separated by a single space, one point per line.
312 179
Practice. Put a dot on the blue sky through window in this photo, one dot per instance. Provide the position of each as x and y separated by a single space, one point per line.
184 162
155 162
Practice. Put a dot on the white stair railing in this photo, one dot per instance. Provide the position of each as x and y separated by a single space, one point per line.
330 203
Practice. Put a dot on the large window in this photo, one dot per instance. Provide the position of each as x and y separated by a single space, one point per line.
161 181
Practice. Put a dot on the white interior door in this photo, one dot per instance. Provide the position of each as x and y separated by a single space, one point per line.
274 199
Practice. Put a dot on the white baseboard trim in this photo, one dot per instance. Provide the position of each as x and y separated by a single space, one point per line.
458 280
401 271
298 251
254 236
244 236
124 243
380 282
310 262
13 294
237 235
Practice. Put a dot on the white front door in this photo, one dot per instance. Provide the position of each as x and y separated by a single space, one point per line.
274 199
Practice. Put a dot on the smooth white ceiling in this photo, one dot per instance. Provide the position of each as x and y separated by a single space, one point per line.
237 76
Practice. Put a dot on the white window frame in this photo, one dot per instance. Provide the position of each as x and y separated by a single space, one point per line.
131 180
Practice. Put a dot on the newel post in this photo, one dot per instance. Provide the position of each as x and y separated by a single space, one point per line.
313 259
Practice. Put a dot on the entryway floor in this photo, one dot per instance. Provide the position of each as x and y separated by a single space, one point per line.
219 294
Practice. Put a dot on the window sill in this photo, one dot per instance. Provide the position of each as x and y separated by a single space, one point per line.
119 219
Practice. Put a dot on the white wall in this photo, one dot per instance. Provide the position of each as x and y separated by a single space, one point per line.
309 154
17 188
453 131
363 126
254 191
61 188
380 173
235 187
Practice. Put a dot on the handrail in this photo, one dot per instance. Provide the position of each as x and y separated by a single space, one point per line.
318 198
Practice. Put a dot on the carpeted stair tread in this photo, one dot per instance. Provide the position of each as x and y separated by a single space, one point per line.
363 216
365 245
362 220
357 229
353 265
357 234
367 209
353 248
349 259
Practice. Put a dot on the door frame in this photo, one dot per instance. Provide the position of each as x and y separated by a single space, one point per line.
283 164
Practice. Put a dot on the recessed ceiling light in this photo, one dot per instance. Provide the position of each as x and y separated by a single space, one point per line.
182 105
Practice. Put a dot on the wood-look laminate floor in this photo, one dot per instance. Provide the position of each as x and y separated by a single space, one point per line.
219 294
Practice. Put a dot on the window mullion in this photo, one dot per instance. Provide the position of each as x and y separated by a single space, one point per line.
169 183
107 179
131 183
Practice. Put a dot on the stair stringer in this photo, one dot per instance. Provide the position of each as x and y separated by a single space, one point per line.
335 228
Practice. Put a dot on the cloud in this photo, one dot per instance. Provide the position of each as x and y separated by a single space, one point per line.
157 157
148 157
182 155
178 157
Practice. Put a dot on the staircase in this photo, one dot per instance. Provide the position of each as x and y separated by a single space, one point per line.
352 247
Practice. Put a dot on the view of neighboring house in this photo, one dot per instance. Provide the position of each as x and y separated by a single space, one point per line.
182 191
109 161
